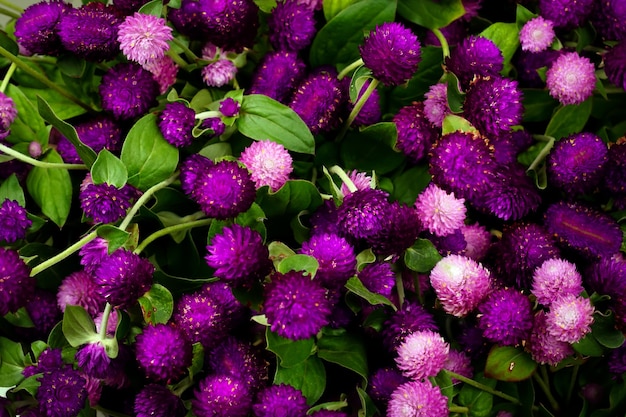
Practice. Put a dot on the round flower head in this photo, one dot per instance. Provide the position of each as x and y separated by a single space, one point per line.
219 73
296 306
192 168
127 90
61 393
361 181
221 396
14 221
36 30
527 64
566 14
269 163
176 123
391 42
422 355
280 401
506 317
556 277
378 277
440 212
163 352
214 124
277 75
144 37
79 289
607 276
537 34
399 229
383 382
43 311
238 255
240 360
460 363
164 71
436 104
584 229
229 107
543 346
291 26
325 218
98 133
16 285
411 318
318 101
460 283
93 253
157 401
576 163
8 113
128 7
105 203
453 243
478 241
336 258
93 360
90 31
475 56
417 399
493 105
608 19
570 318
123 277
359 216
416 133
615 65
615 178
571 79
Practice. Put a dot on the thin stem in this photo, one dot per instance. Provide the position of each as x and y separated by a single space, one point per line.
458 409
12 6
344 177
38 163
443 41
105 321
188 52
546 390
357 107
418 287
7 77
67 252
207 114
143 199
483 387
177 59
350 68
400 289
9 13
168 230
542 154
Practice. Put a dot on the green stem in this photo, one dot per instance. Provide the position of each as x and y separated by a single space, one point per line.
458 409
38 163
188 52
400 288
418 287
443 41
177 59
545 387
43 79
572 383
171 229
357 107
542 154
105 321
483 387
7 77
67 252
350 68
143 199
208 114
337 170
12 6
9 13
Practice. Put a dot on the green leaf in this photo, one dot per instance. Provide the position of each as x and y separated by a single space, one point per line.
359 77
346 350
431 14
154 8
589 346
147 155
365 257
71 65
453 123
12 190
372 149
78 326
111 347
12 362
506 37
332 8
51 188
454 94
63 107
9 44
289 352
197 361
262 118
157 304
355 286
408 185
292 198
444 382
603 329
279 252
265 5
478 401
109 169
113 235
299 262
308 376
523 15
507 363
28 125
20 318
569 119
368 407
338 41
422 256
538 105
30 385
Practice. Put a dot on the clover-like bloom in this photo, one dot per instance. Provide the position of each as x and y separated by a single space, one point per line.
14 221
360 214
16 285
378 277
417 399
240 360
219 73
37 29
537 34
416 134
391 42
571 79
144 37
336 258
566 14
543 346
554 278
436 106
570 318
127 90
176 123
79 289
157 401
608 17
222 396
440 212
291 26
269 163
93 360
93 253
411 318
318 100
105 203
163 352
192 168
280 401
506 317
422 355
61 393
277 75
475 56
100 132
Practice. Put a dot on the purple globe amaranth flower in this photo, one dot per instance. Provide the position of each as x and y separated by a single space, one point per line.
416 134
269 163
291 26
506 317
370 113
543 346
583 229
49 360
295 305
391 42
100 132
157 401
460 363
527 64
454 33
570 318
436 106
360 214
144 37
241 361
176 123
566 14
615 65
123 277
450 244
400 228
378 277
229 107
615 178
16 285
37 29
460 283
163 352
92 358
93 253
14 221
222 396
164 72
422 355
361 181
90 31
215 124
61 393
8 113
79 289
607 276
419 399
537 34
477 239
556 277
325 218
493 105
105 203
277 75
440 212
411 318
280 401
192 168
44 313
219 73
576 163
608 18
571 79
127 90
475 56
383 382
238 255
336 258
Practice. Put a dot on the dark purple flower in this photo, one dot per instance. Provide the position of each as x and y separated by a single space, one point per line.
191 169
240 360
127 90
475 56
391 42
44 313
61 393
412 317
277 75
416 134
93 253
280 401
527 64
336 258
370 113
222 396
325 218
215 124
157 401
37 29
383 382
400 227
105 203
454 33
79 289
14 221
128 7
617 360
93 360
608 19
607 276
566 14
229 107
615 178
16 285
49 360
360 214
98 133
615 65
176 123
450 244
291 26
506 317
163 352
378 277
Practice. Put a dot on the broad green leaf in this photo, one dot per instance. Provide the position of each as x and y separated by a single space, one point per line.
355 286
299 262
408 185
538 105
154 8
454 94
357 82
308 376
197 362
506 37
30 385
569 119
368 407
12 190
523 15
289 352
507 363
63 107
478 401
12 362
51 189
115 237
346 350
332 8
264 5
444 382
78 326
20 318
453 123
292 198
604 331
71 65
147 155
109 169
9 44
589 346
28 125
372 149
279 252
157 304
422 256
262 118
431 14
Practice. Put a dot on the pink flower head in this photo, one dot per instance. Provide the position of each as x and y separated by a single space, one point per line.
268 162
570 318
144 37
361 181
537 34
436 104
556 277
478 240
571 79
164 71
422 354
543 346
79 289
219 73
440 212
418 399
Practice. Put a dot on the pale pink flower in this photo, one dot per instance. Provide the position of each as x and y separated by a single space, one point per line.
422 354
219 73
440 212
269 163
144 38
164 72
570 318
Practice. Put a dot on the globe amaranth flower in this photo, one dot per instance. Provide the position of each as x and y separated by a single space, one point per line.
608 18
8 113
537 34
370 113
123 277
451 244
229 107
416 134
79 289
240 360
100 132
378 277
93 253
556 277
219 73
422 354
440 212
576 163
477 241
475 56
163 352
280 401
411 318
506 317
459 362
436 106
295 305
61 393
336 258
454 33
543 346
360 214
570 318
221 396
238 255
277 75
164 72
383 382
583 229
16 285
14 221
615 65
176 123
360 180
127 90
192 168
215 125
615 178
44 313
527 64
571 79
607 276
36 30
157 401
391 42
291 26
566 14
105 203
460 283
417 399
92 358
269 163
144 37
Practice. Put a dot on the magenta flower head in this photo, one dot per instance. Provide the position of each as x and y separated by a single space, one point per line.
296 306
164 72
176 123
219 73
79 289
441 213
378 277
608 17
37 29
157 401
144 37
422 355
43 311
506 317
370 113
222 396
556 277
192 168
361 180
277 75
163 352
566 14
391 42
607 276
416 133
336 257
359 216
100 132
93 360
571 79
570 318
436 106
269 163
460 283
14 221
16 285
105 203
615 64
241 361
229 107
477 239
93 253
127 90
543 346
475 56
537 34
419 399
8 113
61 393
383 382
291 26
411 318
280 401
123 277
